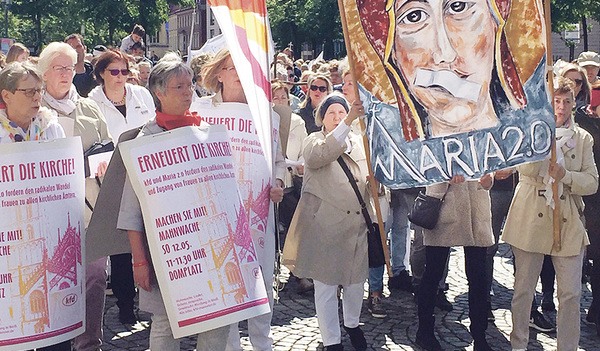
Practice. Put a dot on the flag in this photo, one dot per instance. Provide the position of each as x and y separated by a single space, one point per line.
245 26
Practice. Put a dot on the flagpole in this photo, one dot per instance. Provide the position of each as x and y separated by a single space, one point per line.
189 50
556 211
374 184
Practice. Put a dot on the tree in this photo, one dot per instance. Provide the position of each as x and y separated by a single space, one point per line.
300 21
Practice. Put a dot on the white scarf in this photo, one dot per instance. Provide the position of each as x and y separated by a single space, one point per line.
564 141
64 106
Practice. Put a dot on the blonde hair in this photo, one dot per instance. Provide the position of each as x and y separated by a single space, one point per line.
211 70
585 91
311 79
15 50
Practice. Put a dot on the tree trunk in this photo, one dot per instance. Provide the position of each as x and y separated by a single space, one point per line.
585 33
111 32
38 28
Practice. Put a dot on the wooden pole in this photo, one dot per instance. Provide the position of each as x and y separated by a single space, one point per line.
556 212
373 183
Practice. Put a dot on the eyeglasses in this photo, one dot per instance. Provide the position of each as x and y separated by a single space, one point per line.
63 69
319 88
31 91
182 88
291 75
115 72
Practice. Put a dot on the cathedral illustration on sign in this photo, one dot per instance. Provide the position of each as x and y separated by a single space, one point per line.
41 264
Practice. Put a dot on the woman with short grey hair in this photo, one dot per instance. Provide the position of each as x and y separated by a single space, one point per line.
160 76
171 86
21 116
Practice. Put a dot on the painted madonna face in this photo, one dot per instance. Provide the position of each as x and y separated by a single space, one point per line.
445 51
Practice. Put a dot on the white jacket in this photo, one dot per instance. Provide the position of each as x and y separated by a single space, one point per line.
139 109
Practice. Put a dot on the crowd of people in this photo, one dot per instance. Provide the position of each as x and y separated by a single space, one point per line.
324 194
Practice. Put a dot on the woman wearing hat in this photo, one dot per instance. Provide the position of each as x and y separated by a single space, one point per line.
327 238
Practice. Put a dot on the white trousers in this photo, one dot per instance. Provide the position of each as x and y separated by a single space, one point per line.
161 337
326 304
568 278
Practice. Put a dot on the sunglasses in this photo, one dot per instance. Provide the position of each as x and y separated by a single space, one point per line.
319 88
578 81
115 72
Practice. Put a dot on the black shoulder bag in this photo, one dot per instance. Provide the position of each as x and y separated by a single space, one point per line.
375 248
426 211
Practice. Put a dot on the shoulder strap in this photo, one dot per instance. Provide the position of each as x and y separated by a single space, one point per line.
363 206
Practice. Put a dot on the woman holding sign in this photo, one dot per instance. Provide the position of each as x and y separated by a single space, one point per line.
170 83
79 117
23 119
529 225
327 239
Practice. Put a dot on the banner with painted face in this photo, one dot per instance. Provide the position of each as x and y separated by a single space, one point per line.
451 87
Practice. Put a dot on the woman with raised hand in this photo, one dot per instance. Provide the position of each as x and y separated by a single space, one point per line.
327 239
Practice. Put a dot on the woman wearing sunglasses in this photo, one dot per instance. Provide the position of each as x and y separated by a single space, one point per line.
125 106
319 86
21 116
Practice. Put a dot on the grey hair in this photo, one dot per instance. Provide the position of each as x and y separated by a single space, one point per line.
15 72
52 51
160 75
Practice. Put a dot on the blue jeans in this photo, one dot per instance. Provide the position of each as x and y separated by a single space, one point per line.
398 234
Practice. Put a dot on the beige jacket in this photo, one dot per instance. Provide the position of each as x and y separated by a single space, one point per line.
529 222
327 239
90 125
465 216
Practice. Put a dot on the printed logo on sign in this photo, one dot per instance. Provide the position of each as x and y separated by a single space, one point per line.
69 300
261 242
256 272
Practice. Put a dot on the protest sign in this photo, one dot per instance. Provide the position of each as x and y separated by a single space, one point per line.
253 176
448 92
42 284
196 227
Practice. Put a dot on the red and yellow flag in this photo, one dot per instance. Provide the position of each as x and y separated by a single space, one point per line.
245 26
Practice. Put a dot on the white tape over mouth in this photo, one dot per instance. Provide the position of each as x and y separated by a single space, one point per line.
455 85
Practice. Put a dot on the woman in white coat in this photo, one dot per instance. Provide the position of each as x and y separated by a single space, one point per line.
124 106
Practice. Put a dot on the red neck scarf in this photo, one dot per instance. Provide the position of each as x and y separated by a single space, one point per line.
171 121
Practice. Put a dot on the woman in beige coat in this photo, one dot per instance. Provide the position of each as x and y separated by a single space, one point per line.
529 228
465 220
327 239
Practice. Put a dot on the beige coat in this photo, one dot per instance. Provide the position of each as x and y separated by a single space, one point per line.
465 216
327 239
90 125
529 222
292 133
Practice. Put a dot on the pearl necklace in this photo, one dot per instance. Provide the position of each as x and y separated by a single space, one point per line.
117 103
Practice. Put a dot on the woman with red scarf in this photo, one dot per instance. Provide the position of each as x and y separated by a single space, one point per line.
170 84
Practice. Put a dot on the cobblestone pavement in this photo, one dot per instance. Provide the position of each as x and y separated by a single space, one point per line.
294 325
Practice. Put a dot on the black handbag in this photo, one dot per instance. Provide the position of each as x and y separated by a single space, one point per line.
425 211
375 247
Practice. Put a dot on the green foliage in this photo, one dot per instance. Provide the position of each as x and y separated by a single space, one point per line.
300 21
35 23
